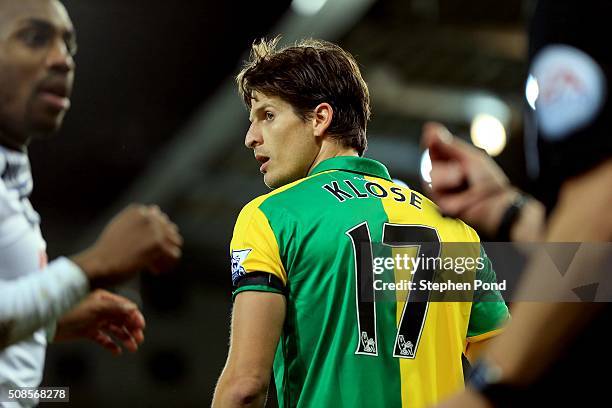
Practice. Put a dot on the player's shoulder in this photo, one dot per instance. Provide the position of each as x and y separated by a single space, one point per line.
281 208
291 195
452 229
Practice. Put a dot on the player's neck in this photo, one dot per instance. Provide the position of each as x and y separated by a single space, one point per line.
332 148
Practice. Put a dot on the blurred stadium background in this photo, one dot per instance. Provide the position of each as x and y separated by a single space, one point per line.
156 119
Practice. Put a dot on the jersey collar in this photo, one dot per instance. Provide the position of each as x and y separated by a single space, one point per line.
353 164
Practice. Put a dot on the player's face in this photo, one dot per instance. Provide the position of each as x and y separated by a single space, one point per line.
283 143
37 45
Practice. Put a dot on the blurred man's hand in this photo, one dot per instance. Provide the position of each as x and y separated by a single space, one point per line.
139 237
108 319
466 183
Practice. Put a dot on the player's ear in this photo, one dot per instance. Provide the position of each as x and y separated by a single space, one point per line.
322 118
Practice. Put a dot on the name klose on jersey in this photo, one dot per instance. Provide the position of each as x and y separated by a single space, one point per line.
347 190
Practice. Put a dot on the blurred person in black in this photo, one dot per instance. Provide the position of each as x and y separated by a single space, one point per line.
550 352
37 46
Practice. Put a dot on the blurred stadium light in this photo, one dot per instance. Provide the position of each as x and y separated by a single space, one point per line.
426 167
488 133
532 91
334 19
307 7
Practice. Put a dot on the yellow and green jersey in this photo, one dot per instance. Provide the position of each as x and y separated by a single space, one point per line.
308 241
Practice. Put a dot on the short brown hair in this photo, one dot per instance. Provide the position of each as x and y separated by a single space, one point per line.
307 74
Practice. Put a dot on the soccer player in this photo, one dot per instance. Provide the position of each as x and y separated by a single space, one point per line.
551 351
37 45
301 255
